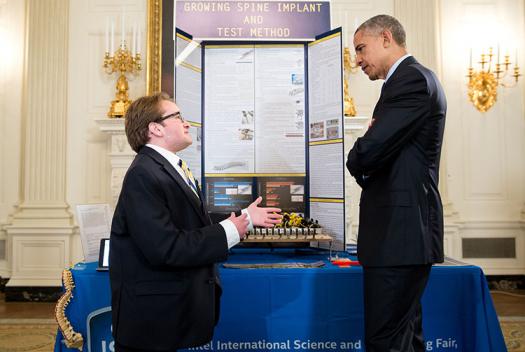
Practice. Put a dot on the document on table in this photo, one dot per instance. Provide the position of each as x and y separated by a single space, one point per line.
94 221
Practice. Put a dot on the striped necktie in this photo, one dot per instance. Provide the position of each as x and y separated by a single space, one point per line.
189 175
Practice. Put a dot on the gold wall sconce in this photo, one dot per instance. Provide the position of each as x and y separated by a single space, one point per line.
123 60
483 83
349 66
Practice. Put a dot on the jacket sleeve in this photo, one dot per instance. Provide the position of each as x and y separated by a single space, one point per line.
150 225
400 115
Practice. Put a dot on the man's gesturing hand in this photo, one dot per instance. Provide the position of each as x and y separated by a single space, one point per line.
265 217
241 223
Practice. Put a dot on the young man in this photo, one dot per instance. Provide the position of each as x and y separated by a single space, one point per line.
396 163
164 282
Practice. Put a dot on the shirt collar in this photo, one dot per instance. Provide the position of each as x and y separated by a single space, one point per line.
395 65
170 156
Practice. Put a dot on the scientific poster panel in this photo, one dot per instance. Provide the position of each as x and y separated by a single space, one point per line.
326 170
188 77
229 109
279 109
331 215
325 88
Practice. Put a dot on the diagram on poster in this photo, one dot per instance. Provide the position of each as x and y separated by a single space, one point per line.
229 110
254 109
228 193
286 193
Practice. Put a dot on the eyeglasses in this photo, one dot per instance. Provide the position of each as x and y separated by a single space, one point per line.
176 115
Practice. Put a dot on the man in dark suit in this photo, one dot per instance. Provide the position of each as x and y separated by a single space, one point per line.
164 281
396 163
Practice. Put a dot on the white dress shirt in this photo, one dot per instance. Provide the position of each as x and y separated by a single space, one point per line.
394 67
232 235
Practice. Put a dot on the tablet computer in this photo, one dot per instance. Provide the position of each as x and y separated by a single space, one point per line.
103 255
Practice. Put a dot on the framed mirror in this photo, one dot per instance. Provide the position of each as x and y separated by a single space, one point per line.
160 47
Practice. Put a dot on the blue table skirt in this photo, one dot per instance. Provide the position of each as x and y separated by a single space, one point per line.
301 309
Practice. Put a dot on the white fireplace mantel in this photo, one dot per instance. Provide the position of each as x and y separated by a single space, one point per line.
120 156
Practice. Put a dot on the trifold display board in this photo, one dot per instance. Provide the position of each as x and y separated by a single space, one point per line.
268 121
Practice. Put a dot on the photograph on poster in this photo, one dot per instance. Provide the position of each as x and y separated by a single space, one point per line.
245 134
317 130
297 79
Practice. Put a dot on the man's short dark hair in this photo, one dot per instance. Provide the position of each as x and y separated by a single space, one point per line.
139 115
379 23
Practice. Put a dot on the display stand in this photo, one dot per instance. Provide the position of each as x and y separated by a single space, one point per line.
268 121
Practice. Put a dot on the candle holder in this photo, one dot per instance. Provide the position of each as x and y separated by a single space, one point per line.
122 61
483 83
350 66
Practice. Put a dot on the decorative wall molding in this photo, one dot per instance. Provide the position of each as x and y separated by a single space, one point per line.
12 31
4 270
419 18
38 254
486 170
496 230
43 212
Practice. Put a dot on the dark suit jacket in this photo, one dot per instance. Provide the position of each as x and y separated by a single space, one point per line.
164 283
396 163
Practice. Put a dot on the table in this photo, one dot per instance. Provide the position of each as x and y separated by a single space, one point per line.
305 309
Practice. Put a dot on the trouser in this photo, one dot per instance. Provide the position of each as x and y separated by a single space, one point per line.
393 315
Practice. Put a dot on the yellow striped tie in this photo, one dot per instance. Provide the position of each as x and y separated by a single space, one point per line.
189 175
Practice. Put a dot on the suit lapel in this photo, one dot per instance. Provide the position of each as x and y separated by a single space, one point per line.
192 198
203 204
408 61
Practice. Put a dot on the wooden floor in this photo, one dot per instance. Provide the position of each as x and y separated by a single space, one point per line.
507 304
26 310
